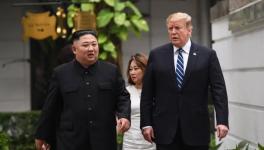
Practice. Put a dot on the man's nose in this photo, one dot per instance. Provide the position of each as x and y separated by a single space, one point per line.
174 30
90 48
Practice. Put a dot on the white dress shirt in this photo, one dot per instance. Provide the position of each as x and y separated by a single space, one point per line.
185 54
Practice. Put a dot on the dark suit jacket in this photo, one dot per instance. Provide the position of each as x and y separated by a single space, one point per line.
165 107
81 107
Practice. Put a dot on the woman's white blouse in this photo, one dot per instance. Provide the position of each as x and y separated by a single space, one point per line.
133 138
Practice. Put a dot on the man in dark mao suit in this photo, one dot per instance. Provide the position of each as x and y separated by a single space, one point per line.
174 111
84 98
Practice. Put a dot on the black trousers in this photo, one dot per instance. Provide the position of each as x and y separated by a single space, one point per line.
178 144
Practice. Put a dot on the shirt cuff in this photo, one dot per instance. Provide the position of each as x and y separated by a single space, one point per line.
146 127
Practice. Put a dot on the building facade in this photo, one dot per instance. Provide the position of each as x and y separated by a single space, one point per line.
14 56
237 34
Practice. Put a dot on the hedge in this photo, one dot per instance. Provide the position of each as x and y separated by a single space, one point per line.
17 131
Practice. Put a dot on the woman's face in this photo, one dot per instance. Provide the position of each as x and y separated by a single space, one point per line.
136 73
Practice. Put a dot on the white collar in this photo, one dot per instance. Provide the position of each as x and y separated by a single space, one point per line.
186 48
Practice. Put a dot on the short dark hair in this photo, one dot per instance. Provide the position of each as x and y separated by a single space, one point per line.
77 34
141 61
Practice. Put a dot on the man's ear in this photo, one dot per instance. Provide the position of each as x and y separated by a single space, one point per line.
73 49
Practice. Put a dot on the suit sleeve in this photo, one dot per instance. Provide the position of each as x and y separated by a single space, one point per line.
123 98
218 90
46 128
147 95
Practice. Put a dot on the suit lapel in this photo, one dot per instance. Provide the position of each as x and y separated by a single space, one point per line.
193 57
167 56
171 62
169 59
170 54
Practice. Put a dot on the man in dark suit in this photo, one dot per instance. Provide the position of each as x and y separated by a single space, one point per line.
174 100
84 98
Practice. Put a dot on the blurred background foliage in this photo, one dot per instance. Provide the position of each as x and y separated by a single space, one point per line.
114 20
17 130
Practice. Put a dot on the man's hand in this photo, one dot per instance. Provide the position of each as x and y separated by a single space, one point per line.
123 125
148 134
221 131
41 145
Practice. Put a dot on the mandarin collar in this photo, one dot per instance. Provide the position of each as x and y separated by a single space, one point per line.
90 70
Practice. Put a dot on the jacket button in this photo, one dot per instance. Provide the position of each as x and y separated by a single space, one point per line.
89 108
87 83
89 96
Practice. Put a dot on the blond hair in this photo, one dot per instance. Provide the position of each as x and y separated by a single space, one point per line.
179 16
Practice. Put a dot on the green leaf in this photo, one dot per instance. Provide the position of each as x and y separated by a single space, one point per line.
72 10
213 145
122 34
104 17
242 144
110 2
139 23
102 38
4 141
72 7
109 46
103 55
120 18
127 24
119 138
71 14
114 54
87 7
70 22
119 6
120 31
134 8
260 147
134 19
136 31
143 25
114 29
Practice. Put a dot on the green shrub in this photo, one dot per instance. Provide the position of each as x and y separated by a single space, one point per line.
260 147
4 141
244 145
212 144
19 129
119 140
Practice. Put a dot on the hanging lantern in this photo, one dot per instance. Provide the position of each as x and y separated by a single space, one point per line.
85 20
